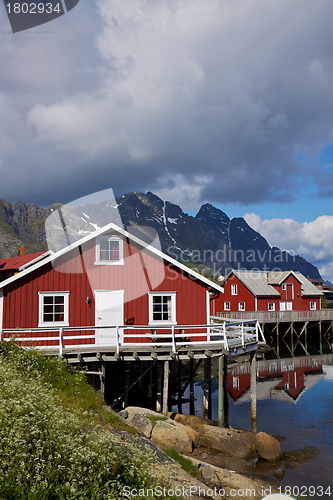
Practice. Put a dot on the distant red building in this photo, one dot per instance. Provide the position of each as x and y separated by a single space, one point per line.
267 291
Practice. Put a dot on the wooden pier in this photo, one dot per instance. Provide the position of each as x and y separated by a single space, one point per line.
151 354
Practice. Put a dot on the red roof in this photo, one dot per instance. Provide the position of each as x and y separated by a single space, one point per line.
19 261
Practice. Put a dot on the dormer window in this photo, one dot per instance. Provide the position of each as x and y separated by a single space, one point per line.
109 250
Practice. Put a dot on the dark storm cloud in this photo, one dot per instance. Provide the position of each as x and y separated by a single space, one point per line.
208 100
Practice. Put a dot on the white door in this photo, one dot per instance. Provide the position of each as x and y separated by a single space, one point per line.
109 312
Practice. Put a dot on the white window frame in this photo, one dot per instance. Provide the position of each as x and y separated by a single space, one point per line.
313 306
227 306
234 290
41 296
273 306
240 307
109 237
173 308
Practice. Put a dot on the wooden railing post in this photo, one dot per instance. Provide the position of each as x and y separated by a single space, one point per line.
173 339
61 336
117 340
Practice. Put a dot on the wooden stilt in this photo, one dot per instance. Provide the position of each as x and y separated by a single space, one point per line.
225 392
207 410
192 411
221 395
180 395
320 339
253 374
127 382
292 338
159 387
306 335
102 378
165 388
277 340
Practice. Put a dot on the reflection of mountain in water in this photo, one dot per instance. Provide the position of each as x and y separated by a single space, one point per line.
283 379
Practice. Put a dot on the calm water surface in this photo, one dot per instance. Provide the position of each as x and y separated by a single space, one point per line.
306 421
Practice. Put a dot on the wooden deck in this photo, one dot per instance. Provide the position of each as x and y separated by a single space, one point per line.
162 342
279 316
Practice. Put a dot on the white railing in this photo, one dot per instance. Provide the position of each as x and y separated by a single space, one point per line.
224 333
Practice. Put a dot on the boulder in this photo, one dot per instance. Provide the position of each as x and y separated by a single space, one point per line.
166 436
267 447
233 442
131 410
142 423
193 435
209 476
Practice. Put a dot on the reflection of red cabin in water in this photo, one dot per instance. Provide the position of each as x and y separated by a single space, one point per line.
292 377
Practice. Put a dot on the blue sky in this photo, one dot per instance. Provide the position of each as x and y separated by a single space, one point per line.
220 101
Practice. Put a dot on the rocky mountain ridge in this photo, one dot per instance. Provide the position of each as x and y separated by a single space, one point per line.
209 239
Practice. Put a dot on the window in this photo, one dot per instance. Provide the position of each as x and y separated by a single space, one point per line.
162 307
271 306
233 289
235 383
241 306
109 250
227 306
53 308
284 287
313 306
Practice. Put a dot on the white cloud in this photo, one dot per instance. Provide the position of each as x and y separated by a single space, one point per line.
137 91
312 240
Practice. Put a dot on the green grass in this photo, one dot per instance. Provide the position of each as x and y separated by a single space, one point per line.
56 440
154 419
184 462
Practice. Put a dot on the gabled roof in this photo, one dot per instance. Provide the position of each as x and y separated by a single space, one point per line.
308 289
112 227
261 283
256 282
278 277
22 261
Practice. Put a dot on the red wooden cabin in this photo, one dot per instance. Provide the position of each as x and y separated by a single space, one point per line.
109 277
268 291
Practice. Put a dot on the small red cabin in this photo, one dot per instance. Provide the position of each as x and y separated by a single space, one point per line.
268 291
109 277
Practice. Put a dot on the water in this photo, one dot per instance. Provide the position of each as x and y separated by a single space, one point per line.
295 402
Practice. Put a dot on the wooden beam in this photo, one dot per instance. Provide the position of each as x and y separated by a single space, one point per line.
102 378
166 387
159 387
127 381
253 378
207 407
192 409
220 389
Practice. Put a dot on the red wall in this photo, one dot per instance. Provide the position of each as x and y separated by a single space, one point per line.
243 295
21 297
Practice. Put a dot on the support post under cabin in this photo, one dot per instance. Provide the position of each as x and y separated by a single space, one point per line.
159 387
165 388
221 407
102 378
127 381
253 377
207 407
192 410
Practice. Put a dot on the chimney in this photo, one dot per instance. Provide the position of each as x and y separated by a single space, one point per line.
21 251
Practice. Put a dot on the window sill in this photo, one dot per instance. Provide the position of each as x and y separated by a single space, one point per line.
53 325
109 263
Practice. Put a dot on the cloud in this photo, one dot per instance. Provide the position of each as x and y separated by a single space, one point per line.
313 240
148 94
